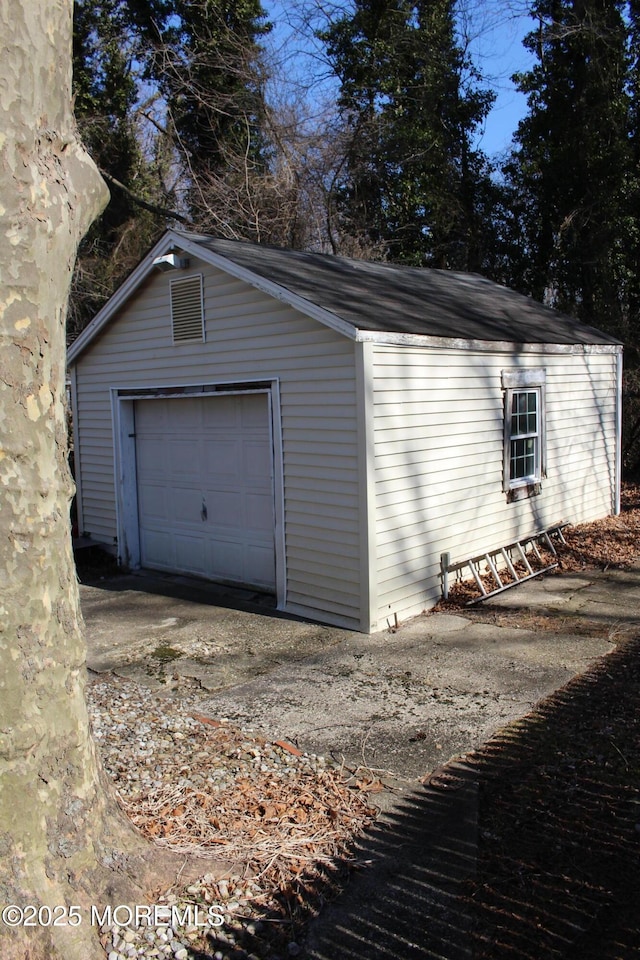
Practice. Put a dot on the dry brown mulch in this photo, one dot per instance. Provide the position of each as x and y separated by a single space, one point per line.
274 823
613 542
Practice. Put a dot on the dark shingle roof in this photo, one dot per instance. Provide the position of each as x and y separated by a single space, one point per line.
387 298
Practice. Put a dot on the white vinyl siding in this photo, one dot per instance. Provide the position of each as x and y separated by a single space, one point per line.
249 336
439 440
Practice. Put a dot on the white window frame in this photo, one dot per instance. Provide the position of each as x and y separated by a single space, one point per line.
520 382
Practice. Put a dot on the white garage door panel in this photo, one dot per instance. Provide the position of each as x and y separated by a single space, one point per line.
156 546
205 487
256 457
186 504
225 510
190 555
184 459
256 509
227 555
154 500
221 460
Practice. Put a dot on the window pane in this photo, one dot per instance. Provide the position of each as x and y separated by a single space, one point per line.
524 413
532 413
523 458
516 409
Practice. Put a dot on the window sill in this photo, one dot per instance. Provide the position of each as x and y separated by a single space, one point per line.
524 492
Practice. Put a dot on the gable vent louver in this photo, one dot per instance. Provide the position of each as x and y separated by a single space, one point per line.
187 314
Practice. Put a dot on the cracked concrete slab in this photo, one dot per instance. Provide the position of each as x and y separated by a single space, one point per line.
400 702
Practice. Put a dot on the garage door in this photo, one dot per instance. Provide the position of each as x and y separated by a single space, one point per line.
205 487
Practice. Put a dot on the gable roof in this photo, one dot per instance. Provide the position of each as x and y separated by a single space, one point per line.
385 297
360 297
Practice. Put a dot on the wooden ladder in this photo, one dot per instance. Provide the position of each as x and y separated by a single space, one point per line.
492 558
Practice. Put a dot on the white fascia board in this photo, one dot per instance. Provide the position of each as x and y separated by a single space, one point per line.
482 346
122 294
274 290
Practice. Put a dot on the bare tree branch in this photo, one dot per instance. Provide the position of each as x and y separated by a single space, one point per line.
151 207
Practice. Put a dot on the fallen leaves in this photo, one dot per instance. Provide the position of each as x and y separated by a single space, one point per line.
288 747
276 826
370 786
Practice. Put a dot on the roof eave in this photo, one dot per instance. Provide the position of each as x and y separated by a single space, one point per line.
482 346
194 245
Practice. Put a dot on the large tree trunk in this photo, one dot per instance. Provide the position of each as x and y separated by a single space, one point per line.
62 841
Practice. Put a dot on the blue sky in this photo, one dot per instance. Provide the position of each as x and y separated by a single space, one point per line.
494 30
497 50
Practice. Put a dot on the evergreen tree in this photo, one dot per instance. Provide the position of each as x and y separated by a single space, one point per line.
569 175
169 101
110 53
212 77
413 187
632 190
631 331
574 178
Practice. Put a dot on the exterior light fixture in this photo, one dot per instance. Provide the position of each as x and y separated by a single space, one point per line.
171 261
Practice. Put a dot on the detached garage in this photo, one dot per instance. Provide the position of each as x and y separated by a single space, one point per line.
326 429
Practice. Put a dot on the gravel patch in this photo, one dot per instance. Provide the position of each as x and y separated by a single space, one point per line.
277 824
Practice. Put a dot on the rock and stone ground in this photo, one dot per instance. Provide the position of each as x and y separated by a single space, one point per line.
256 821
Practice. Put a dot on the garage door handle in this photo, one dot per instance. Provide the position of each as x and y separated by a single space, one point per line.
203 512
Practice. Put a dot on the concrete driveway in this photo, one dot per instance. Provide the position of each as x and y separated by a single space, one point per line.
399 703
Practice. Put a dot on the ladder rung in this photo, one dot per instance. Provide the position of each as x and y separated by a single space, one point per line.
510 567
477 578
494 570
523 557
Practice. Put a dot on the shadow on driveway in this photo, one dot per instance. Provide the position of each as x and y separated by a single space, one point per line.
529 848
